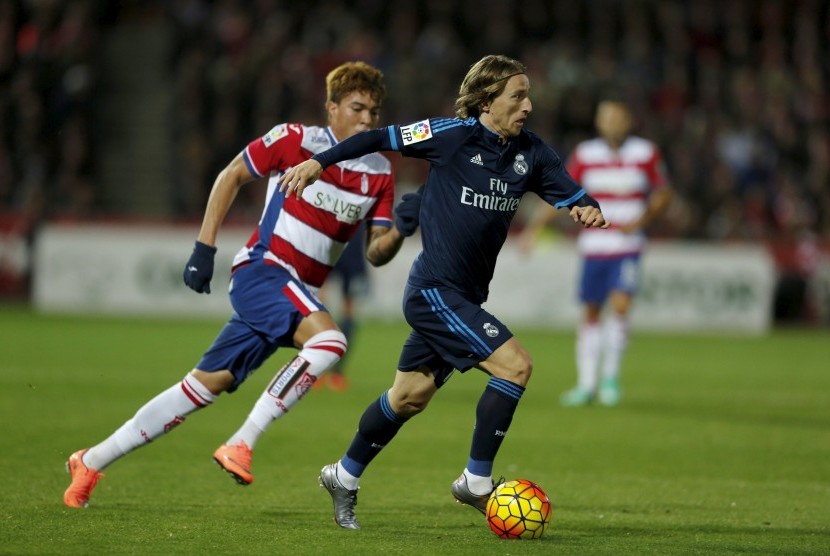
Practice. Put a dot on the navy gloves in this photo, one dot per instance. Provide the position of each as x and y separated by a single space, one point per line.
408 211
199 268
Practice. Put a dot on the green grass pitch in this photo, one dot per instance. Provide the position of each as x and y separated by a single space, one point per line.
721 446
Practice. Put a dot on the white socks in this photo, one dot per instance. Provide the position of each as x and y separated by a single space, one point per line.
156 417
595 342
319 354
588 345
170 408
346 479
616 340
477 484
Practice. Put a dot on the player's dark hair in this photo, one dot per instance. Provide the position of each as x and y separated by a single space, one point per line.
612 96
485 81
355 76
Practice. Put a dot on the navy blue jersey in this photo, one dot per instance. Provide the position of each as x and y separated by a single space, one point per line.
472 192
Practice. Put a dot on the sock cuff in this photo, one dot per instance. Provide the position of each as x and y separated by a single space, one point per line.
352 467
505 387
387 410
197 392
329 340
479 467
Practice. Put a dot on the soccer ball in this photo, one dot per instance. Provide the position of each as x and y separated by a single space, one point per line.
518 509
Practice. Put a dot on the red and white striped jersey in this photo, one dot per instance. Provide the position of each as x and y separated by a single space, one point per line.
306 236
621 182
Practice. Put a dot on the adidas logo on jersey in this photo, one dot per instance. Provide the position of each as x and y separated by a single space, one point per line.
477 160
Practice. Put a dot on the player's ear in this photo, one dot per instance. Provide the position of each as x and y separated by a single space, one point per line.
331 108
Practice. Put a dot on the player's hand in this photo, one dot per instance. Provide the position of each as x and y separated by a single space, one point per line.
296 179
589 217
199 268
408 212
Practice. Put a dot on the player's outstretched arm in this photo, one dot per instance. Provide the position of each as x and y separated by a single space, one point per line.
586 211
222 195
302 175
296 179
199 268
589 217
384 243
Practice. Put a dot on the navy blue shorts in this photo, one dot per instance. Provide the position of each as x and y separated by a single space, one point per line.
602 276
448 332
268 306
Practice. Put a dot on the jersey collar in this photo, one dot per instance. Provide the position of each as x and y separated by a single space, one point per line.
332 138
618 149
490 135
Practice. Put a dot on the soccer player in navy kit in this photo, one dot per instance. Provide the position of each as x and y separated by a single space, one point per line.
481 164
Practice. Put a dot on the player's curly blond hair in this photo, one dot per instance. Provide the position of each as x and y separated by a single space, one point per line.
355 76
485 81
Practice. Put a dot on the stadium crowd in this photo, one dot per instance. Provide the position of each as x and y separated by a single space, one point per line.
734 93
47 66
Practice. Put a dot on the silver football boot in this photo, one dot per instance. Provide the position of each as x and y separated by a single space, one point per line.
462 494
344 500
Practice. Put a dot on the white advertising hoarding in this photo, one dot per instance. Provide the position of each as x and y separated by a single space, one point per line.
126 270
137 270
684 287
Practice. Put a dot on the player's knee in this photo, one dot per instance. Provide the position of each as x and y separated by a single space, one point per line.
332 341
524 371
412 407
407 404
215 381
519 371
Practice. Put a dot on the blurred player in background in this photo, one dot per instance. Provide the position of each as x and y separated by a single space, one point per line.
275 277
351 274
481 164
625 174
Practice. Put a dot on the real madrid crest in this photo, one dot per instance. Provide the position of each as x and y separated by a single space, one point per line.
490 329
519 165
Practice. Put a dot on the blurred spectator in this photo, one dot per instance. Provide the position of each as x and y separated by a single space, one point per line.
47 74
735 94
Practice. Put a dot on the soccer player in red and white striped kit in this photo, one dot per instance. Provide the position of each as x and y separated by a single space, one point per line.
625 174
275 277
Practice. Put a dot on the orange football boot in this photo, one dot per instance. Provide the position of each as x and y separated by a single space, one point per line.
236 460
83 482
337 382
